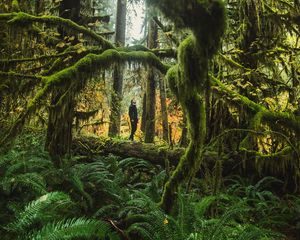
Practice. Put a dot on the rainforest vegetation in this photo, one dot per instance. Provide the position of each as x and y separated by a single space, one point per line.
216 153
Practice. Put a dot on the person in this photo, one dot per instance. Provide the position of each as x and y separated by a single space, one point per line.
133 115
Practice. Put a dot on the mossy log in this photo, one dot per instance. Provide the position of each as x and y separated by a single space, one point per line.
148 151
280 164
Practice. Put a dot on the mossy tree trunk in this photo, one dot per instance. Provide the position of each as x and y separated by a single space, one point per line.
151 88
164 111
59 131
188 83
117 89
189 79
61 113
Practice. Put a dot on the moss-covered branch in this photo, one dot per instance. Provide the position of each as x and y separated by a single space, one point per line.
285 119
19 75
79 72
33 59
24 18
163 53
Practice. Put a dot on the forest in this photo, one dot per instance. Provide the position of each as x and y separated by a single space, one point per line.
150 119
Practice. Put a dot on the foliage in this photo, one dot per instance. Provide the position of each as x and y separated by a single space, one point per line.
101 197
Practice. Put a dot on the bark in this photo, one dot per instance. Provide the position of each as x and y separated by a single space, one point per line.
143 122
184 133
59 130
150 88
164 112
116 97
61 113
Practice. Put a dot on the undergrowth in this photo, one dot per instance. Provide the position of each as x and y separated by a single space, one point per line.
106 197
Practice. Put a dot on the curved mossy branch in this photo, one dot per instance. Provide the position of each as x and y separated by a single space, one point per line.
189 79
285 119
24 18
78 72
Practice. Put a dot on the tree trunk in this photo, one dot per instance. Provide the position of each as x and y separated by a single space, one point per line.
116 99
150 88
61 113
59 131
116 96
143 122
183 142
164 112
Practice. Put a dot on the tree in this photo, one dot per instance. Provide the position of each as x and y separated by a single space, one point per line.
116 96
164 111
61 112
151 88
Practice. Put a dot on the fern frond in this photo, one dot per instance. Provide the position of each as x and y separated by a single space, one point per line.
135 163
39 209
32 181
77 228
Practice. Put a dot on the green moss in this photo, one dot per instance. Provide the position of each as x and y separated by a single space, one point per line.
172 76
189 79
25 18
15 5
286 119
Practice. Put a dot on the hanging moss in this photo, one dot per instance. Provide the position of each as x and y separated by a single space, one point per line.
22 18
286 119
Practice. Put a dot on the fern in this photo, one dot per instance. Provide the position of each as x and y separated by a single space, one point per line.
32 181
135 164
76 228
42 209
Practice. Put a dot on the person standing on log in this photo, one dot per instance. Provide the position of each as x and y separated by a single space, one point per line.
133 115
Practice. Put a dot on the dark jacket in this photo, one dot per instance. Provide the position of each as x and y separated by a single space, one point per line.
133 113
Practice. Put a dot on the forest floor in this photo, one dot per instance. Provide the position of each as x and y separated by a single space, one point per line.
94 193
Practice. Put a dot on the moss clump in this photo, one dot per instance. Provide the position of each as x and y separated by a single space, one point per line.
15 5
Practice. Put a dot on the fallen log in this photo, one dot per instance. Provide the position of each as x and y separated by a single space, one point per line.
155 154
244 164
